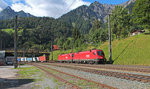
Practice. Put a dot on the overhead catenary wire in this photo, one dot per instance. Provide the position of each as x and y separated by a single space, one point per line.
53 33
65 10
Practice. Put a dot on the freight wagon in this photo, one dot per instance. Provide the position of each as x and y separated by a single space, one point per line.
29 59
32 59
23 59
37 59
10 60
91 56
42 58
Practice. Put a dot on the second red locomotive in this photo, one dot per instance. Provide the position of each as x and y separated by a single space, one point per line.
92 56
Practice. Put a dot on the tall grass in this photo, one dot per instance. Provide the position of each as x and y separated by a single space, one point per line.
130 51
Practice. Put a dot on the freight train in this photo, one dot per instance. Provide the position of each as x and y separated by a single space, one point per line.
92 56
33 59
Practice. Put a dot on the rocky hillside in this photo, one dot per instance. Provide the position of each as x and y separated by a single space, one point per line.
83 16
128 3
8 13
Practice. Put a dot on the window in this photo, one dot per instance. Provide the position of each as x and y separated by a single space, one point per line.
100 53
72 55
94 53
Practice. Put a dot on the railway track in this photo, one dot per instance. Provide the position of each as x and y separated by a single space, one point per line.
72 86
127 76
44 67
142 69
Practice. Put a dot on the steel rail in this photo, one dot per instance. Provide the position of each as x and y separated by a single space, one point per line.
100 84
127 76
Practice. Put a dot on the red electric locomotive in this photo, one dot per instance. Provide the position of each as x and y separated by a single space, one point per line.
92 56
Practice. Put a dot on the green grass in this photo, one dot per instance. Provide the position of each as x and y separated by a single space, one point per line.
133 50
10 31
34 74
130 51
27 72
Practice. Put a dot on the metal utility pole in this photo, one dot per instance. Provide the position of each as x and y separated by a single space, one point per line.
109 28
51 50
23 51
4 44
0 40
15 43
72 45
1 44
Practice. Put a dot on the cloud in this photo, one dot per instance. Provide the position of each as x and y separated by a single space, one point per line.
51 8
2 5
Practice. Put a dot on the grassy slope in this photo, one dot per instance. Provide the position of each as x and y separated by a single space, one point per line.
130 51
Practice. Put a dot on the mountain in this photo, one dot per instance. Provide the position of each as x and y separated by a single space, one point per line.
8 13
83 16
128 3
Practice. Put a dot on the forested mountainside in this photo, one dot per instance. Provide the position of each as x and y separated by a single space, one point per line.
82 26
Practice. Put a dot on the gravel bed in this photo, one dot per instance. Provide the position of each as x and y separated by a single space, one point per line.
44 81
132 72
121 71
47 83
111 81
129 66
81 83
113 70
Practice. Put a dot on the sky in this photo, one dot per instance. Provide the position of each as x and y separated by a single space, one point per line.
50 8
108 1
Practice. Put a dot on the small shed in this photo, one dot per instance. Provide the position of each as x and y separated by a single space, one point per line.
137 32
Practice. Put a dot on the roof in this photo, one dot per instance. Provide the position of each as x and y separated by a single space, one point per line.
135 31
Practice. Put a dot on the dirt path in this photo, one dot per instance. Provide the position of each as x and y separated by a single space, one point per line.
8 79
32 78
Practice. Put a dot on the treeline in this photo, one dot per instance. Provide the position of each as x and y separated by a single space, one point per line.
126 20
38 32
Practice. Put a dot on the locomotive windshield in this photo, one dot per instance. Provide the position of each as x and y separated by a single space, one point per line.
100 53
